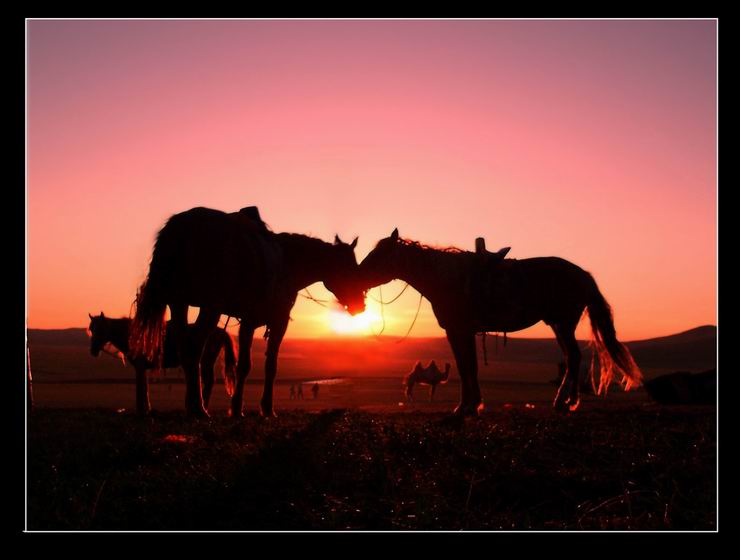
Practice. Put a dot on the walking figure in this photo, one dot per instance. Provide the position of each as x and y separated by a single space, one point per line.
315 390
292 392
300 391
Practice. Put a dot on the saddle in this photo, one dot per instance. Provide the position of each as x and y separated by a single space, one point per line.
255 234
495 290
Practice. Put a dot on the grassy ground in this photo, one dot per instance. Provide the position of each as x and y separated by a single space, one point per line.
615 465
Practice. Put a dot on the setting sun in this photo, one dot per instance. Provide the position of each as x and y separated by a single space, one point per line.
342 322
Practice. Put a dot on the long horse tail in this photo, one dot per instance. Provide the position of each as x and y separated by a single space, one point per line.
229 364
614 357
147 333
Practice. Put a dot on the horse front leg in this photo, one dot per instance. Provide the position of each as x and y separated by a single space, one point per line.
277 331
463 348
142 391
243 367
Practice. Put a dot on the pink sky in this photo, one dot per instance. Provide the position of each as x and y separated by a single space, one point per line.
593 141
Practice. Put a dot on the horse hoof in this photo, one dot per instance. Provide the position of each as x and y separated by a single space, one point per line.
560 406
198 413
236 414
573 406
468 409
268 413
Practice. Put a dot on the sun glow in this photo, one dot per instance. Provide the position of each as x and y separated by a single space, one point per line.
342 322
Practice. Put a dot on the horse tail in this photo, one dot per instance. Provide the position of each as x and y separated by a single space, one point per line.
614 357
148 325
229 364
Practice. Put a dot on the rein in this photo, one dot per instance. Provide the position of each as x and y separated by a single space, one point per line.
381 302
382 311
117 355
321 302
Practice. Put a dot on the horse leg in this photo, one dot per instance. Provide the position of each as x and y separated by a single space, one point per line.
277 331
243 367
463 348
432 388
567 397
178 329
204 325
142 391
207 370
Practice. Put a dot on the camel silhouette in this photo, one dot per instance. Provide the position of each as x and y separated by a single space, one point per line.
430 375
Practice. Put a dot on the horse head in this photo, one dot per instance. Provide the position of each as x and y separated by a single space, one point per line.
381 264
99 333
342 277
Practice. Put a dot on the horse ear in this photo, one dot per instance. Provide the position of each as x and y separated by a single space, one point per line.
394 235
337 241
89 315
102 314
354 243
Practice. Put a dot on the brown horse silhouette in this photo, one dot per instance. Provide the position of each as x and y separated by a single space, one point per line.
104 330
471 294
233 264
430 375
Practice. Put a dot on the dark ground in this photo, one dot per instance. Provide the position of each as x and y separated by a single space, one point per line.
611 465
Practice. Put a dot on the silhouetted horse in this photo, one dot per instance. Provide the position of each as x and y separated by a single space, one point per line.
430 375
470 295
103 330
233 264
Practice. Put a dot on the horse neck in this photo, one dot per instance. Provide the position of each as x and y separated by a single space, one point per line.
307 259
119 332
421 268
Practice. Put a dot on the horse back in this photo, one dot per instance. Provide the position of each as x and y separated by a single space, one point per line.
218 259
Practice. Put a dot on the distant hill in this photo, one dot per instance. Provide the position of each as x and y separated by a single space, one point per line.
63 354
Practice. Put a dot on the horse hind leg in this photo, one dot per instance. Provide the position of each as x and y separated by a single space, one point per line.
567 397
208 372
243 367
191 360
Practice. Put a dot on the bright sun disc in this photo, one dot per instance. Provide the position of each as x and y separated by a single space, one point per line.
342 322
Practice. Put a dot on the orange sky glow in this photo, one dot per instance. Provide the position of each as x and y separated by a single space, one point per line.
592 141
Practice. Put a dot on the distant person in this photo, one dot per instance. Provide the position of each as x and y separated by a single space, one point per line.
300 391
315 390
292 392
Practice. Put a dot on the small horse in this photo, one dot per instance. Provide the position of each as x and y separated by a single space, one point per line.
430 375
103 330
470 295
233 264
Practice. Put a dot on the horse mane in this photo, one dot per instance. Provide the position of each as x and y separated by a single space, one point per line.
301 238
426 247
